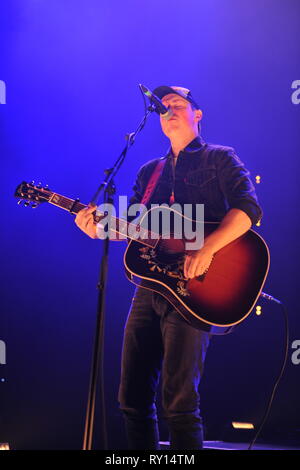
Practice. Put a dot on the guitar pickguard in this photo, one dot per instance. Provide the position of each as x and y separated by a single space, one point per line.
173 269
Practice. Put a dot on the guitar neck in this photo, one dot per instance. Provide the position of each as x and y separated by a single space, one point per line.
71 205
117 225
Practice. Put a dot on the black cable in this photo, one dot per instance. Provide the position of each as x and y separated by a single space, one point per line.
284 362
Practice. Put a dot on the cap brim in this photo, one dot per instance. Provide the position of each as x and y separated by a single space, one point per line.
163 90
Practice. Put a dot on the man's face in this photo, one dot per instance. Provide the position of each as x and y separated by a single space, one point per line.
184 119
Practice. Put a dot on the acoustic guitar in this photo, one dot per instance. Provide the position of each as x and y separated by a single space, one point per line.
216 301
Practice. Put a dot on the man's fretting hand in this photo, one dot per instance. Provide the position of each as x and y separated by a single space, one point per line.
85 221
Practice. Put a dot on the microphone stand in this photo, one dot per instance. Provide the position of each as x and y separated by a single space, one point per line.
108 188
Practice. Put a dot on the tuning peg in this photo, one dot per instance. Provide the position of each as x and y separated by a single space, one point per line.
26 203
34 205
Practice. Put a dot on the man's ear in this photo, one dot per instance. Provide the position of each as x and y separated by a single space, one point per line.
198 114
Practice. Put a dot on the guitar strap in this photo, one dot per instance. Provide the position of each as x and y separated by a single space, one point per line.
152 183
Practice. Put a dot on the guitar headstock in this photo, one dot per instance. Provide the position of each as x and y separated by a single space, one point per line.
32 195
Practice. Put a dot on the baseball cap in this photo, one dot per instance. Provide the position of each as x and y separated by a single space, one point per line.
162 91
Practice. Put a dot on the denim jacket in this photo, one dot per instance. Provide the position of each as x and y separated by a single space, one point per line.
207 174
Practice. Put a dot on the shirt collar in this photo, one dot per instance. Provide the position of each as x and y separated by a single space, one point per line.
193 147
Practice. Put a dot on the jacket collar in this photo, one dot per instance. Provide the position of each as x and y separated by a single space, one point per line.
193 147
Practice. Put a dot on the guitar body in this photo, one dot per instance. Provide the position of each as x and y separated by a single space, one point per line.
215 301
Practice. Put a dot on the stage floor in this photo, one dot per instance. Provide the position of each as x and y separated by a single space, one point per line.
221 445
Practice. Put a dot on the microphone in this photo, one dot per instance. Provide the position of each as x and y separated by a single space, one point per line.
160 108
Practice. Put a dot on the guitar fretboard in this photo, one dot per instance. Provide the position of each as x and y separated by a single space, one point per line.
117 225
70 205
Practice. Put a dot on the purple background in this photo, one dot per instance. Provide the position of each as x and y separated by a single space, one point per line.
72 70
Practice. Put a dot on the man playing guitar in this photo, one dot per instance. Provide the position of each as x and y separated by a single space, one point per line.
157 340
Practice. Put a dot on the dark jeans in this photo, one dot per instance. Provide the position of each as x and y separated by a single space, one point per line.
158 340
